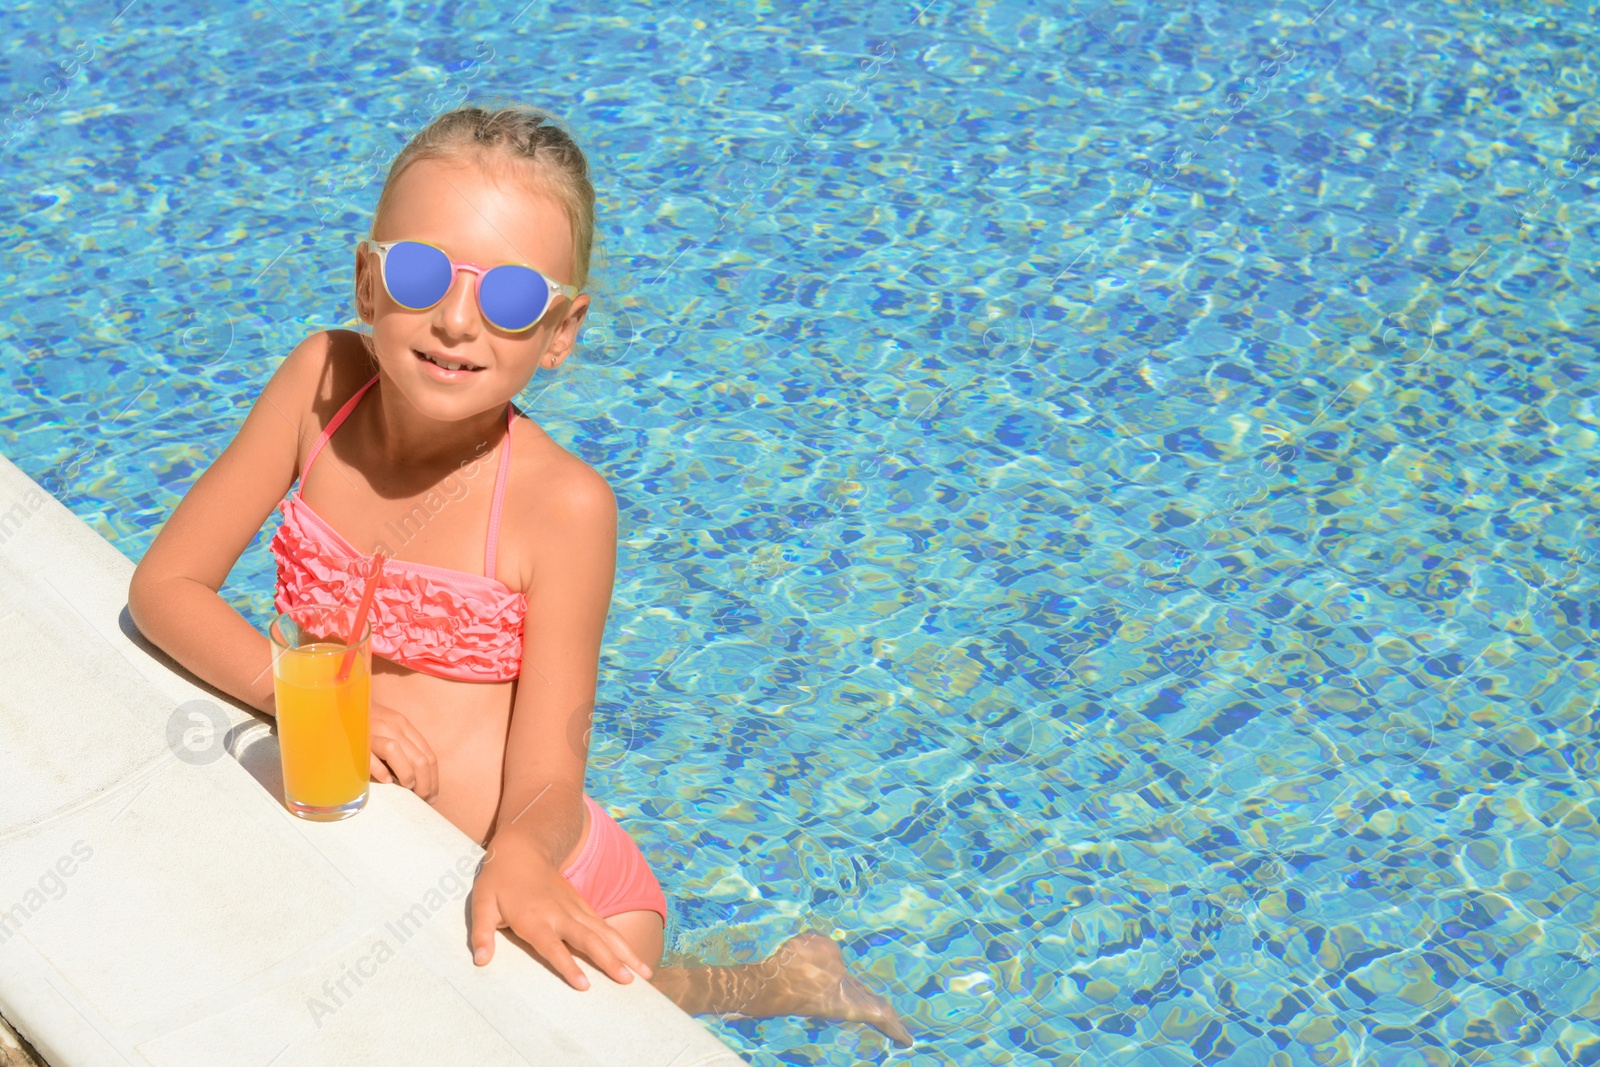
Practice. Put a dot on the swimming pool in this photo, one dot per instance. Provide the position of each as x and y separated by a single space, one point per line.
1107 489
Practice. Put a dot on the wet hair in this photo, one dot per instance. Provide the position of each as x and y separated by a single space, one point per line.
521 140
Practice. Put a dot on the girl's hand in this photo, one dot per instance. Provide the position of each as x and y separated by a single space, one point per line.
401 754
519 889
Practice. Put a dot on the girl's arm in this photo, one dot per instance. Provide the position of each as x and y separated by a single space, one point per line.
540 819
173 595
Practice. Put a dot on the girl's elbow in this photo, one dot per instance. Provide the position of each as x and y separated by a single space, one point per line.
139 584
143 593
138 590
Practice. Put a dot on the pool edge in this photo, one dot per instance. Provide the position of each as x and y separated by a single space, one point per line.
67 580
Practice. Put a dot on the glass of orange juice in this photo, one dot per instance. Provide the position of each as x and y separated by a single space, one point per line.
323 722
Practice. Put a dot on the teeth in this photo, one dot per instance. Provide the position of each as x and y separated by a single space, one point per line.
444 364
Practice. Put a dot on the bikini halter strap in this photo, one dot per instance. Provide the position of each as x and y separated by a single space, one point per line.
499 482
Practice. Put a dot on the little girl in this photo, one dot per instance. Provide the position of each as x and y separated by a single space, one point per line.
487 622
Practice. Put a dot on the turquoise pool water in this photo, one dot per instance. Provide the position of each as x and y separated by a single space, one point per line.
1108 490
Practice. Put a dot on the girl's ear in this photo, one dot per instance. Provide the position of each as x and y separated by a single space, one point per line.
566 334
366 303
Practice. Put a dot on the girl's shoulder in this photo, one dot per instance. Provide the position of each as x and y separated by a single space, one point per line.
342 366
322 372
545 472
554 499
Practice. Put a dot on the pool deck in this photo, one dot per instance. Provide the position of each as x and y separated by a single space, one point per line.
158 905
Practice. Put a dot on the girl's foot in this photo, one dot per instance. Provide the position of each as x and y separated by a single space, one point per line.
811 979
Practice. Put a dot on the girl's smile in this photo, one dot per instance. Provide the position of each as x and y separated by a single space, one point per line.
447 369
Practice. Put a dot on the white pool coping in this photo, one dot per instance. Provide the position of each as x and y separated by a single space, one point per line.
166 911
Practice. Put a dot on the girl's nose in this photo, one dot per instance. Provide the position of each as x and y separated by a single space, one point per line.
459 305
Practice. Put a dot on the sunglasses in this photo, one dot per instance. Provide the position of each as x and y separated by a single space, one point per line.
511 296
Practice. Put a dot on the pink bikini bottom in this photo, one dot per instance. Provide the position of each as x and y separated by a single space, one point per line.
611 873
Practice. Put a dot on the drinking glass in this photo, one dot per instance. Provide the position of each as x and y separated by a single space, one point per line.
324 733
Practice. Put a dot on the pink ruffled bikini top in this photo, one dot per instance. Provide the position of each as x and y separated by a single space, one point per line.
439 621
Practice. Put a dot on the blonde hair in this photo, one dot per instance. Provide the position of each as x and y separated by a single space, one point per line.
508 135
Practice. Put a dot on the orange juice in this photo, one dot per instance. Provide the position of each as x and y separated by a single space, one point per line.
323 723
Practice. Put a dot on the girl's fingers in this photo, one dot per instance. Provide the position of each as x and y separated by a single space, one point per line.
424 764
606 948
623 953
485 921
600 949
401 757
376 767
556 955
602 943
427 772
635 962
397 741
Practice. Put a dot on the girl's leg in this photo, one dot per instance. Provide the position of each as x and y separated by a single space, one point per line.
806 976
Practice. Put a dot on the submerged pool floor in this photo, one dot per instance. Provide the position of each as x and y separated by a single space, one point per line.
1107 489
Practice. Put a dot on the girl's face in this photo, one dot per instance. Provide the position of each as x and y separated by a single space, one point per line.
475 219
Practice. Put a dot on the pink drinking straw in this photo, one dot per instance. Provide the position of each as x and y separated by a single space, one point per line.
361 618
